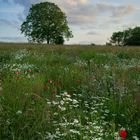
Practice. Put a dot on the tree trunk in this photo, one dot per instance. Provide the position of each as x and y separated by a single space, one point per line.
48 41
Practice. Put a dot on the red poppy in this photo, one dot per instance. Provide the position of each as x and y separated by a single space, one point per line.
29 70
122 133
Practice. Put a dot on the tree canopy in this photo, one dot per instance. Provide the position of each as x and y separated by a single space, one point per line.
46 22
126 37
116 38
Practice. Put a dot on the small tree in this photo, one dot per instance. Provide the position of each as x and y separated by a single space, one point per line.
46 22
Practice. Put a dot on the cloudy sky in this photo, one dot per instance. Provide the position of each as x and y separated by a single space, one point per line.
91 21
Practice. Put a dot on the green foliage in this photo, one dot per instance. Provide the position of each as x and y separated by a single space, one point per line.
46 22
126 37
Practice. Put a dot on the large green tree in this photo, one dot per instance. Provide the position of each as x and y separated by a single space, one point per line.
126 37
46 22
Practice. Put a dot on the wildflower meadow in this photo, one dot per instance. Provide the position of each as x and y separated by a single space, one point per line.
69 92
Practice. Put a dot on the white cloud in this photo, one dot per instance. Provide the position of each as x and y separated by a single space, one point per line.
76 2
82 12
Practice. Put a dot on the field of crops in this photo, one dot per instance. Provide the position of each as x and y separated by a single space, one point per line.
69 92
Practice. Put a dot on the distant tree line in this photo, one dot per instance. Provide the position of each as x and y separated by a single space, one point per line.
128 37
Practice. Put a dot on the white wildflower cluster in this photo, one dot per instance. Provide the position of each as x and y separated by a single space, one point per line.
15 67
63 102
127 64
123 64
90 124
20 70
80 63
20 54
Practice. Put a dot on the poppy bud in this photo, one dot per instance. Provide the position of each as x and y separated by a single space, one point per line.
78 81
55 83
29 70
54 91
